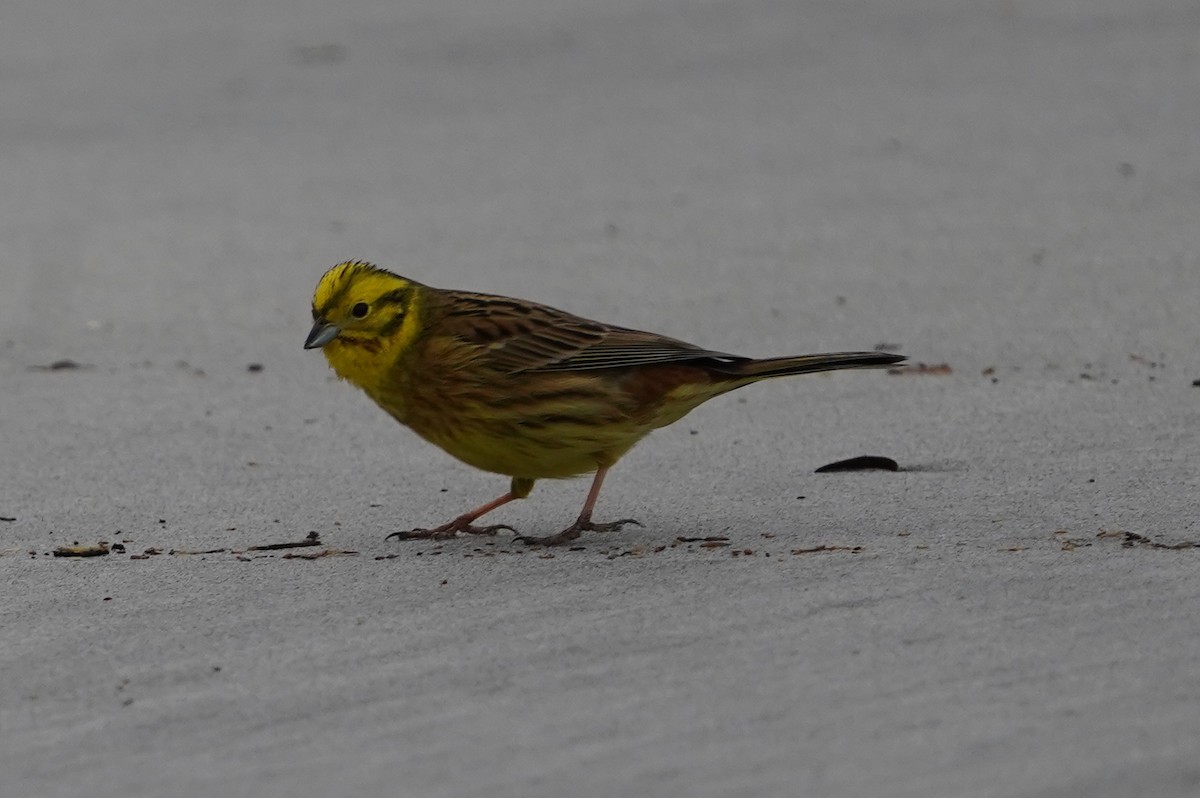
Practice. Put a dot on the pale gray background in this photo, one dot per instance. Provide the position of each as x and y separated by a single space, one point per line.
1008 185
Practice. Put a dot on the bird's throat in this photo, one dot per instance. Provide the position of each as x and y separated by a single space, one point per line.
361 361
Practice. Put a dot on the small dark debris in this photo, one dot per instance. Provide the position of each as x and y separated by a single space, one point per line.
867 462
923 369
1131 539
317 555
254 368
118 548
60 365
1195 384
82 550
825 548
313 539
710 539
7 518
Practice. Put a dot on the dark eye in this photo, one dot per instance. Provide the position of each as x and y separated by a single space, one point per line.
359 311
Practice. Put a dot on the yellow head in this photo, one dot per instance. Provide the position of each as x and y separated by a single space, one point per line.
362 317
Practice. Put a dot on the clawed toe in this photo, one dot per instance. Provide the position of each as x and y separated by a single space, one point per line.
423 534
611 526
574 531
565 536
447 531
487 530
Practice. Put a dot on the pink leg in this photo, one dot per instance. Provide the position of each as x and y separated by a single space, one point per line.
462 523
584 522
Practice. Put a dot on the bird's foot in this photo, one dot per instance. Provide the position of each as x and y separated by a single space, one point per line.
459 526
574 530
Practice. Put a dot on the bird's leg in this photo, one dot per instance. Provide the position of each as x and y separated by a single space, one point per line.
584 522
462 524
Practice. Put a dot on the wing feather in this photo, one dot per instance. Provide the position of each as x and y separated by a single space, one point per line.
515 336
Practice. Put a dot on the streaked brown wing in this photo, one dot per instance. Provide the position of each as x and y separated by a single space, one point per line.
519 336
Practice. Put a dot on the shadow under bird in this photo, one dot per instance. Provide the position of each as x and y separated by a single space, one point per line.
522 389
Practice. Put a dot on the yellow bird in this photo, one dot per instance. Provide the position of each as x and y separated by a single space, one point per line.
522 389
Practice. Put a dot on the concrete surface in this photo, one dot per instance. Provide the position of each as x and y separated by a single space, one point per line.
1011 187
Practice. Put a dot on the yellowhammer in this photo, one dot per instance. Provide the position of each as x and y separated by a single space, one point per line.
519 388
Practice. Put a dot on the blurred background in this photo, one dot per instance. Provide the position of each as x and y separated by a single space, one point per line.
188 169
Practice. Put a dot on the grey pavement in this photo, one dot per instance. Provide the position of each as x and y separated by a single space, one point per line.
1012 189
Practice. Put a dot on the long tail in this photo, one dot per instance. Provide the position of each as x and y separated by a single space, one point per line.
804 364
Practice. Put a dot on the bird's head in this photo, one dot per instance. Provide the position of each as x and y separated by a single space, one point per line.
361 305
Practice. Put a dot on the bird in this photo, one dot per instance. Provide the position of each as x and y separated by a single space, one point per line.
522 389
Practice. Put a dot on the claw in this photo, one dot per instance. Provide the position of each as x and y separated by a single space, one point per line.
447 531
612 526
574 530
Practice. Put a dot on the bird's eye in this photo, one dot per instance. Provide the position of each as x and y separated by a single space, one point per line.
359 311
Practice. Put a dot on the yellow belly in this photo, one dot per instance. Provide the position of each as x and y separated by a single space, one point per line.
530 447
532 425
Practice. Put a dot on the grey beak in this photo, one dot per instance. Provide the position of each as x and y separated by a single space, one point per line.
322 333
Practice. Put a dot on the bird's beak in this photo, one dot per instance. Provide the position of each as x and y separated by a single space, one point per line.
322 333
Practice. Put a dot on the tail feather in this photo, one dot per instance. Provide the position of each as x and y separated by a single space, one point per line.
804 364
